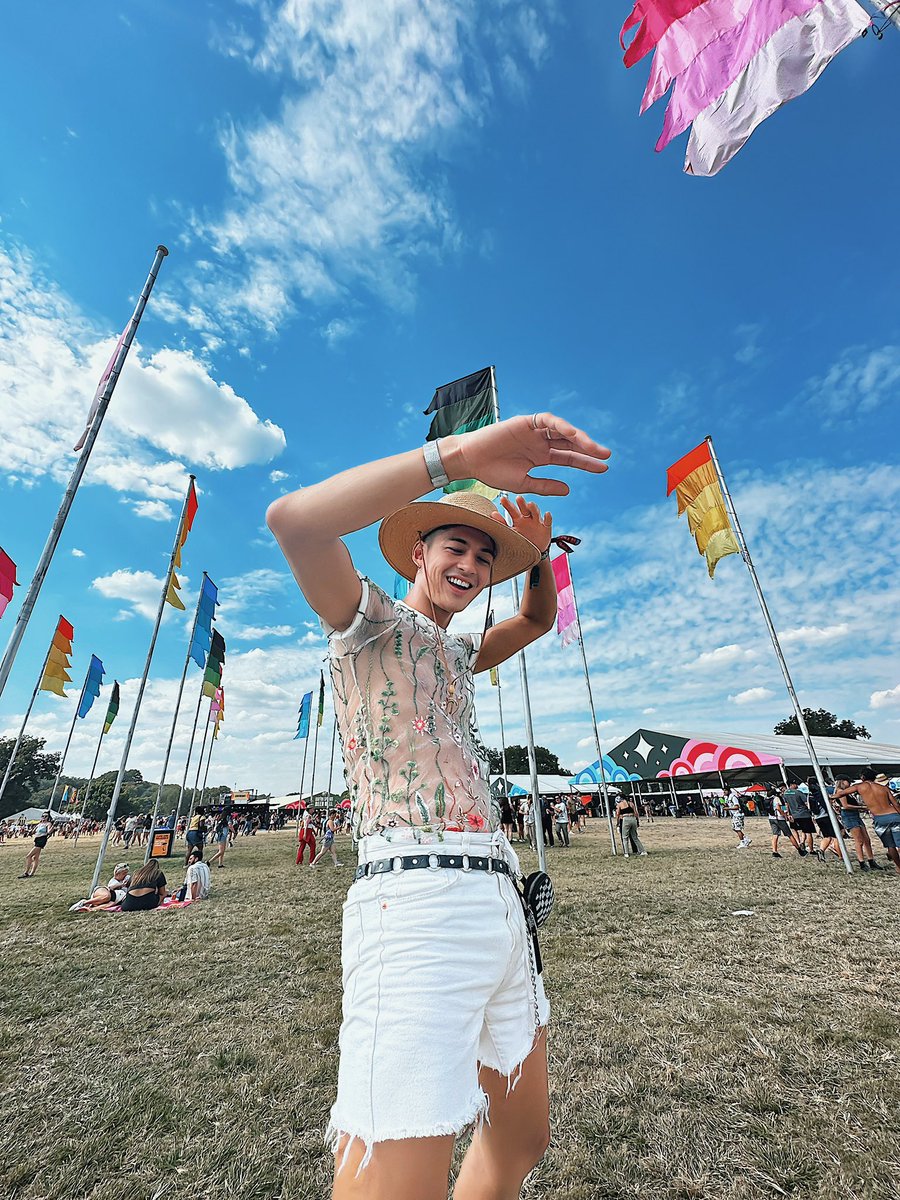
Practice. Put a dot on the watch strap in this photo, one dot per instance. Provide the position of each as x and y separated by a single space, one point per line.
434 465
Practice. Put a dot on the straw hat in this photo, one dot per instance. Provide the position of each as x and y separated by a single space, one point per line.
402 529
882 779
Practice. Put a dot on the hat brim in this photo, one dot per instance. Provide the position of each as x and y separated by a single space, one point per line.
399 532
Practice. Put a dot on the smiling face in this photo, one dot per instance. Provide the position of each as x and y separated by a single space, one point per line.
454 566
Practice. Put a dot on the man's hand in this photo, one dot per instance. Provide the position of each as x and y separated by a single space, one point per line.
503 455
525 518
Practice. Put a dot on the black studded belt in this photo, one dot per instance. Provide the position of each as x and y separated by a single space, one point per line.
433 862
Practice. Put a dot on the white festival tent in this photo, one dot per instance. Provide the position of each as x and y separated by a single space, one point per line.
28 816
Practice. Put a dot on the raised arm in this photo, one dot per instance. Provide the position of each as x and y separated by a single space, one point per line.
309 524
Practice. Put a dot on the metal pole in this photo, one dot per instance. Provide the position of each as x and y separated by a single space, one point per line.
212 742
587 682
56 528
331 760
526 703
15 749
798 711
162 774
312 786
111 815
187 761
87 792
62 761
502 736
199 768
303 773
532 759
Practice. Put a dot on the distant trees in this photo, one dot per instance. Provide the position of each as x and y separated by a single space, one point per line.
517 761
822 723
31 770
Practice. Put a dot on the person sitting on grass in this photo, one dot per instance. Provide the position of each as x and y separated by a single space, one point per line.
197 881
147 889
109 896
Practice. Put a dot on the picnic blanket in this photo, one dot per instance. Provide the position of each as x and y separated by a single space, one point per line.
169 903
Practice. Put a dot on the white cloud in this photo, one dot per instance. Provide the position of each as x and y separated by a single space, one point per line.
338 330
340 186
77 553
256 633
141 589
277 476
812 635
167 408
648 712
861 380
753 695
886 698
722 656
154 510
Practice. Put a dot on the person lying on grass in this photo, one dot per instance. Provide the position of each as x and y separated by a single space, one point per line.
443 1011
109 896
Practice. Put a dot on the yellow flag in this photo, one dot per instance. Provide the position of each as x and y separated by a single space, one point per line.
172 591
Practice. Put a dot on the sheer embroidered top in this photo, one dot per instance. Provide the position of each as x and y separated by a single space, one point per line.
408 733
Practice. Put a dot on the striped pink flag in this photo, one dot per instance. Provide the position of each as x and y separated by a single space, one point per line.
566 615
685 39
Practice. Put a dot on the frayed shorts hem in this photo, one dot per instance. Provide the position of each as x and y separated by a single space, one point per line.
476 1114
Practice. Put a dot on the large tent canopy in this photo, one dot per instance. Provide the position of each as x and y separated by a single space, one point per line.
520 785
739 758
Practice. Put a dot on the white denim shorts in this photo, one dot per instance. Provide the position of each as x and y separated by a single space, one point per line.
439 980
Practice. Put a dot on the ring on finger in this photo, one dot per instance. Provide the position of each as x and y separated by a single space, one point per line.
534 423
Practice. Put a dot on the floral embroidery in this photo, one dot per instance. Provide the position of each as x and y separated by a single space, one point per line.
410 757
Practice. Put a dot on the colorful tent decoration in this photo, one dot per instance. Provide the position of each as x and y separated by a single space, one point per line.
56 670
187 522
215 664
303 717
652 754
460 407
566 615
113 711
7 580
734 63
207 604
92 684
98 394
696 486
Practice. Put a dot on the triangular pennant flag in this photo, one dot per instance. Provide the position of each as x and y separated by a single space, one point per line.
172 591
303 717
113 711
57 665
91 686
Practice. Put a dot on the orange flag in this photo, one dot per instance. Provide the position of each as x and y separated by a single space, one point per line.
56 671
190 512
696 486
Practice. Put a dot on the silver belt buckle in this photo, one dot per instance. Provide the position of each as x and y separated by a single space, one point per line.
397 864
433 864
465 863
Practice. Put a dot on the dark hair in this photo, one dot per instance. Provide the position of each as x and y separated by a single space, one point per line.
457 525
868 774
195 852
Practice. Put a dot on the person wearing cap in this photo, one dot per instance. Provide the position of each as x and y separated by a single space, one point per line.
444 1011
873 791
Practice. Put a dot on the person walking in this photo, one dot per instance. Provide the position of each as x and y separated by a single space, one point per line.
41 834
850 812
828 843
881 802
628 822
732 804
306 838
797 803
561 821
779 823
328 841
223 832
444 1009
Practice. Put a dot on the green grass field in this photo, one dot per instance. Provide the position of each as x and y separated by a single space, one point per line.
192 1055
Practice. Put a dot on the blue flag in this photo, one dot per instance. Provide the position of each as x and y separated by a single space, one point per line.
207 604
303 717
91 686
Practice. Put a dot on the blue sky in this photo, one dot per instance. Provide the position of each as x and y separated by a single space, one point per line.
364 201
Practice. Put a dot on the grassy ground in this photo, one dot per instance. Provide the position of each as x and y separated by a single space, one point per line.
694 1054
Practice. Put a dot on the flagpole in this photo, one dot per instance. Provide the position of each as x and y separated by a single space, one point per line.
526 703
587 684
15 749
199 767
165 766
212 742
111 815
62 761
331 760
312 785
56 529
90 781
502 732
187 761
798 711
303 772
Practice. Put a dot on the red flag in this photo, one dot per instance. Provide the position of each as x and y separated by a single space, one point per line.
7 580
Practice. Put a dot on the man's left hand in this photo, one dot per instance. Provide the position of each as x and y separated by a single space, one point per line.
525 518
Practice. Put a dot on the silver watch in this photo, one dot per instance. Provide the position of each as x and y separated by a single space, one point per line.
434 465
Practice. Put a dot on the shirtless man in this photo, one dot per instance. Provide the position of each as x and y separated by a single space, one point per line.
882 804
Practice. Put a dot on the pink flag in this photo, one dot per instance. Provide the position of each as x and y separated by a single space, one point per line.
684 39
215 705
785 68
7 580
566 616
653 18
714 70
104 378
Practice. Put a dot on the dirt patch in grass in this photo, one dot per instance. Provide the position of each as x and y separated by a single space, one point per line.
694 1055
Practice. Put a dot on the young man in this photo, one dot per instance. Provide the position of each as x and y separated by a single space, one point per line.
881 802
444 1012
797 802
733 807
850 812
779 824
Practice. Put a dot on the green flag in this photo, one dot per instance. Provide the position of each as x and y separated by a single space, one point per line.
460 407
321 698
113 711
